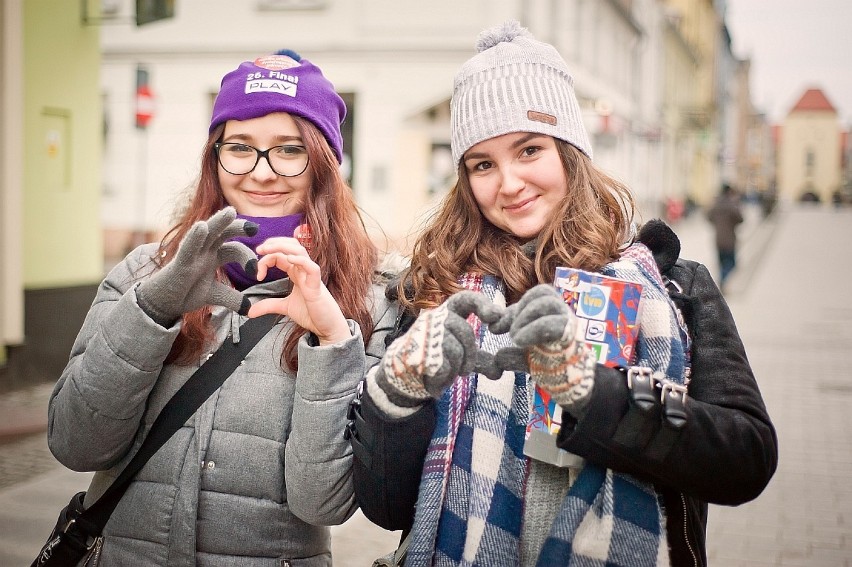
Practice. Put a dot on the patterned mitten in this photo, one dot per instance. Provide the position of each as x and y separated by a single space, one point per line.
439 346
558 362
188 282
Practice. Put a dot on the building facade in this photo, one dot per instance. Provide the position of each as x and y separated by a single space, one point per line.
50 176
810 150
83 182
394 62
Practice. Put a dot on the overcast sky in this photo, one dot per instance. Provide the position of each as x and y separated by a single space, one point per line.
793 46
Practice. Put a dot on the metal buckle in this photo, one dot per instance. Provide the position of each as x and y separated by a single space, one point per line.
670 282
674 390
673 398
68 525
637 371
640 381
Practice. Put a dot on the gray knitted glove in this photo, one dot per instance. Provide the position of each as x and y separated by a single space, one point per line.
439 346
188 282
542 323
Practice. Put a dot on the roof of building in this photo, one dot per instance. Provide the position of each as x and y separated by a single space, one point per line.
813 99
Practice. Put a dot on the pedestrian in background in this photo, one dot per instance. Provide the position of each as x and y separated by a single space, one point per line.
725 215
253 476
439 431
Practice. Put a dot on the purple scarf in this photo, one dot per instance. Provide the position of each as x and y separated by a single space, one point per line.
268 227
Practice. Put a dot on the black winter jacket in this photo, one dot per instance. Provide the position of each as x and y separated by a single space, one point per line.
724 453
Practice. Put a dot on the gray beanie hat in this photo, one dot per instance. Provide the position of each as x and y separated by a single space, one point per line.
514 84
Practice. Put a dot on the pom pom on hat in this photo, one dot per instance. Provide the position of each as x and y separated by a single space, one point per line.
506 31
289 53
514 84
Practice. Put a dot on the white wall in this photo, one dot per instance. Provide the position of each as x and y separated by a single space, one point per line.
398 58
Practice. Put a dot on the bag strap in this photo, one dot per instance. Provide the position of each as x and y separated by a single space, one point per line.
395 558
401 554
186 401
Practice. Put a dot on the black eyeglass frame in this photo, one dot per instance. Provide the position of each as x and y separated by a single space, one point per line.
260 154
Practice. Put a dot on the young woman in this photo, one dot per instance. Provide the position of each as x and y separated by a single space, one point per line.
261 466
440 448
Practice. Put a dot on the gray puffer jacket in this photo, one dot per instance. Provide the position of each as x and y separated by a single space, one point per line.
252 476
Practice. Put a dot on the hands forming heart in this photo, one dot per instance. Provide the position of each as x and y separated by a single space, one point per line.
540 317
441 345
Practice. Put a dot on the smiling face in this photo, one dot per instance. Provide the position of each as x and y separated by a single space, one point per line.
518 181
262 192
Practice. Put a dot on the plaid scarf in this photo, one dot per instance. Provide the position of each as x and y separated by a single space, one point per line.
663 339
470 506
610 518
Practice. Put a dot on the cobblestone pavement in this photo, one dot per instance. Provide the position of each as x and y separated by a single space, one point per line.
23 451
796 323
24 458
787 298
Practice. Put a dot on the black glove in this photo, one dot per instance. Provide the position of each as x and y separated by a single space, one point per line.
188 282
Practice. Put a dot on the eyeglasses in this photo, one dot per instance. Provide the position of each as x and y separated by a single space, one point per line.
241 159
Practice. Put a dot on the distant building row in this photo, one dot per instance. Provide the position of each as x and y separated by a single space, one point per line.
665 99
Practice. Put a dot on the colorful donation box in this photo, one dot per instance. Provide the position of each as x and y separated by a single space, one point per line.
608 311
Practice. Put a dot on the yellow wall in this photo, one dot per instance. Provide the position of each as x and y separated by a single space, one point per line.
698 24
680 97
11 174
817 132
62 142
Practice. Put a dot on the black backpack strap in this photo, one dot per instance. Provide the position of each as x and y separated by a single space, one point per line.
404 320
186 401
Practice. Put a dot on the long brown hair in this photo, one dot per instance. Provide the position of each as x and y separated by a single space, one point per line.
585 232
340 245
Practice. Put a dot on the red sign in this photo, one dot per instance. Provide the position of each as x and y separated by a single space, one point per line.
144 106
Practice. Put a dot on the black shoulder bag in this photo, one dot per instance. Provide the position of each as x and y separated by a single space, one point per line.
77 534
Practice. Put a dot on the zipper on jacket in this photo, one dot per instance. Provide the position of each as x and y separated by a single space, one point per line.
686 531
93 555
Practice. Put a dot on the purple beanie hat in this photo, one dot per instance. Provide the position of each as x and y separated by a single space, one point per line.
281 83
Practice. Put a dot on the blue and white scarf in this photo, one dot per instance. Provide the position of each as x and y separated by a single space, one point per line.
470 505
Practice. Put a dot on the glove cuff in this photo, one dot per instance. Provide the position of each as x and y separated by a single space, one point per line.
400 388
162 319
567 373
386 398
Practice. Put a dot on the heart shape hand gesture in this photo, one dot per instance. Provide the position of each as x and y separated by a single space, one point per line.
189 280
440 345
